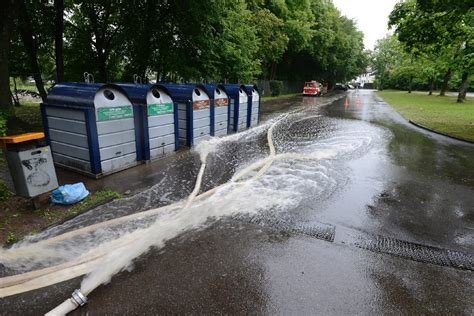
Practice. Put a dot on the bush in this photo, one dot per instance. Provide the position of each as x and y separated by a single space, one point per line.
4 192
11 238
276 87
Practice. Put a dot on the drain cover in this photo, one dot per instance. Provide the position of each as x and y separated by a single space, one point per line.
319 230
416 252
375 243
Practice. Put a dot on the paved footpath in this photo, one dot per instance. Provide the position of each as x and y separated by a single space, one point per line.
383 224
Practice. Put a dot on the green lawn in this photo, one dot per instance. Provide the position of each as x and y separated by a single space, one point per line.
18 219
27 85
281 96
28 119
441 114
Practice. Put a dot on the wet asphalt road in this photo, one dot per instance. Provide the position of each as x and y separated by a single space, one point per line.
388 179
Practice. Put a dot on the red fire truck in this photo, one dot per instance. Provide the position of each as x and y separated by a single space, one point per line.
312 88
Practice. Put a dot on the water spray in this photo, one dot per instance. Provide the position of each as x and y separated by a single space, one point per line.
102 256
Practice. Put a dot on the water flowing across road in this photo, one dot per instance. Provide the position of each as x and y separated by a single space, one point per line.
331 183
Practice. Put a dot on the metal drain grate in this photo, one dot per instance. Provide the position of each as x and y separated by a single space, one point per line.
376 243
320 230
417 252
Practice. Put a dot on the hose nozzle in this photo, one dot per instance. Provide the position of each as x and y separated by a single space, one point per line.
79 298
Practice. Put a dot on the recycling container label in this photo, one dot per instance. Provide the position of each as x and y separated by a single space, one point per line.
221 102
114 113
201 104
159 109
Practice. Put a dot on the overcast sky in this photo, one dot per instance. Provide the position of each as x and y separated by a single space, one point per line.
371 17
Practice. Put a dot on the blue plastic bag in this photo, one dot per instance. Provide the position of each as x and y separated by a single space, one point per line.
69 194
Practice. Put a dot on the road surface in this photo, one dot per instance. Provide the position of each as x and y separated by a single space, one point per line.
384 224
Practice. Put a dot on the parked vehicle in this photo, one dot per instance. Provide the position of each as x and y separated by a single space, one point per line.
340 87
312 88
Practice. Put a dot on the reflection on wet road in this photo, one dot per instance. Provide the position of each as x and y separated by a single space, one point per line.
384 185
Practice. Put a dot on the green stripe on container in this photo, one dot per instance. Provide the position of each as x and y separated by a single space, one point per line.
114 113
160 109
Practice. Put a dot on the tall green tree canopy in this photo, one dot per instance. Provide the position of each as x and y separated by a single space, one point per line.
437 25
181 40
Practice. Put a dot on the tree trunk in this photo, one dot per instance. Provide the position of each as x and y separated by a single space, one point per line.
431 86
31 47
7 15
273 71
444 87
410 82
16 100
464 87
102 66
58 39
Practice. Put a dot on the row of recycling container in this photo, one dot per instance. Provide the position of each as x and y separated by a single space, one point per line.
98 129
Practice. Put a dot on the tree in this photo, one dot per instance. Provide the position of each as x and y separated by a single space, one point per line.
236 44
144 34
95 26
428 70
349 58
208 40
333 52
467 62
273 39
34 30
19 65
386 55
459 6
432 23
7 17
58 39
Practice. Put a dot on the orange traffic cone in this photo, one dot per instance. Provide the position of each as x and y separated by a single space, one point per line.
346 103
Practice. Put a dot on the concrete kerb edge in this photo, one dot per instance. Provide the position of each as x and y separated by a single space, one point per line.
440 133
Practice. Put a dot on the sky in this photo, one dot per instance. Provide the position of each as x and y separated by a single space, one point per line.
371 17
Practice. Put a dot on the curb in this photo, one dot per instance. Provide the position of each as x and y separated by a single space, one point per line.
441 133
330 93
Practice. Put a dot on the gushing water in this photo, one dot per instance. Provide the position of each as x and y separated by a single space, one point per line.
300 160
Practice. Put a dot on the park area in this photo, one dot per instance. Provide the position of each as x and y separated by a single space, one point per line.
441 114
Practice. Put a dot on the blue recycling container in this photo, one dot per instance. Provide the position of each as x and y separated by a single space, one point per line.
238 107
253 114
194 112
159 118
220 109
92 128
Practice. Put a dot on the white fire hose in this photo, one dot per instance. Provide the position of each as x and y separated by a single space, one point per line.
28 281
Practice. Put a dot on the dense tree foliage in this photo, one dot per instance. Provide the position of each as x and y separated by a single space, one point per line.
440 31
7 16
397 67
179 40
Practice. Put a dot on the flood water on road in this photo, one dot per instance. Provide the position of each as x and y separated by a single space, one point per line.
336 234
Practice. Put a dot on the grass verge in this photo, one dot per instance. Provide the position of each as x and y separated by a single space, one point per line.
441 114
19 220
281 96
